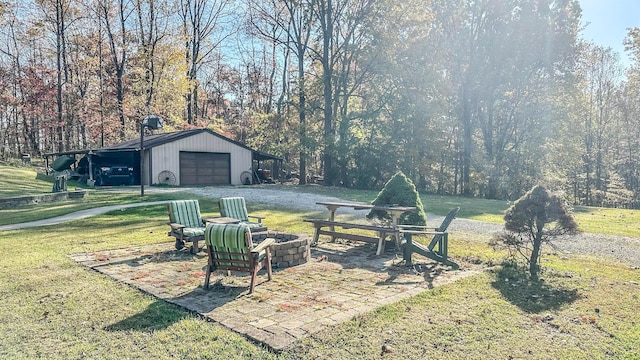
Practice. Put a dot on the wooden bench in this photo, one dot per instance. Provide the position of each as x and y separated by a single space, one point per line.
381 232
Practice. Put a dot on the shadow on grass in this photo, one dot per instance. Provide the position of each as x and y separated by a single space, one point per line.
159 315
581 209
531 296
43 177
142 259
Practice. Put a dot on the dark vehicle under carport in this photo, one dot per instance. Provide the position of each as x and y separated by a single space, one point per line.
101 167
111 168
113 175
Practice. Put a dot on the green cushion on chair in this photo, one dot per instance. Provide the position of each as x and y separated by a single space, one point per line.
185 212
229 242
191 232
229 247
234 207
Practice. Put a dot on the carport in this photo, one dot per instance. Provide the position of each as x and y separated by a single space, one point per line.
197 157
85 162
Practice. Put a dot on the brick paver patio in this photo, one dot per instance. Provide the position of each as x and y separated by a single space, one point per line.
340 282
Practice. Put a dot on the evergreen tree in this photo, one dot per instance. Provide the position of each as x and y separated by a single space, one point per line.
399 191
536 218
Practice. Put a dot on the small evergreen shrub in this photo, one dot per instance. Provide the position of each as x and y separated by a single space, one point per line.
399 191
535 219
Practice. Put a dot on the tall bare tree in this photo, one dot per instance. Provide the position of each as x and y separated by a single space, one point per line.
152 25
114 14
57 14
601 76
205 25
339 24
290 24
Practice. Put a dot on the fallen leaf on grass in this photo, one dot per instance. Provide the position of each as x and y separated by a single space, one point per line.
198 274
184 267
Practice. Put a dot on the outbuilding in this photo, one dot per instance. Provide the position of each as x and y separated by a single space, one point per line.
196 157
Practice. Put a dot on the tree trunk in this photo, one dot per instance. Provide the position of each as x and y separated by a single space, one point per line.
327 81
467 141
535 254
59 29
120 98
302 117
118 61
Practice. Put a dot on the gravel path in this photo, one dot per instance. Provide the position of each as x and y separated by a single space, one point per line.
75 216
620 248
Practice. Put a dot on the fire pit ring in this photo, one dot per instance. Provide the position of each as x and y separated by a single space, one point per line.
289 249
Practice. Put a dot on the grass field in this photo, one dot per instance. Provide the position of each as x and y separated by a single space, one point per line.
53 308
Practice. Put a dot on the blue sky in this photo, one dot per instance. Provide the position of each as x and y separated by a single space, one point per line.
607 21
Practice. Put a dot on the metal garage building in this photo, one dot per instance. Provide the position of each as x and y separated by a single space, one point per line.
195 157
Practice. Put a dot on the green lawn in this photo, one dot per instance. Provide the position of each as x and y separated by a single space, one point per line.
54 308
590 219
23 181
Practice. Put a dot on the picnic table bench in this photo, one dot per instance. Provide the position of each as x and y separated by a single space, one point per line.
381 231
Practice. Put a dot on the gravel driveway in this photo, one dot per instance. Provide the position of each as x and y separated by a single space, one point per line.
621 248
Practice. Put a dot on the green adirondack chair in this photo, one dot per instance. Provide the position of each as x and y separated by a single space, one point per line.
186 223
437 248
229 247
236 208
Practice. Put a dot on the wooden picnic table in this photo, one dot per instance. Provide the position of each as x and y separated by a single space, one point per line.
395 212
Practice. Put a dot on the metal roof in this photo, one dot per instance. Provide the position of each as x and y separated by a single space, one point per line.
164 138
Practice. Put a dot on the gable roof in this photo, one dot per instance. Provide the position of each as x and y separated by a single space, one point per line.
154 140
164 138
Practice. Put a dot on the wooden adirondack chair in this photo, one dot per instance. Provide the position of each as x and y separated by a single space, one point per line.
229 247
437 248
186 223
236 208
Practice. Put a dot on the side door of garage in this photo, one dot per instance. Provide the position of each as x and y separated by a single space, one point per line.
205 168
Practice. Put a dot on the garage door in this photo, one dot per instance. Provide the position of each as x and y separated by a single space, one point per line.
201 168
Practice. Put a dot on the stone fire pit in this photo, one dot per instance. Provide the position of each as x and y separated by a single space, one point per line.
289 249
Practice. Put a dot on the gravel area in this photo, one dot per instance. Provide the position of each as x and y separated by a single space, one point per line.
620 248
